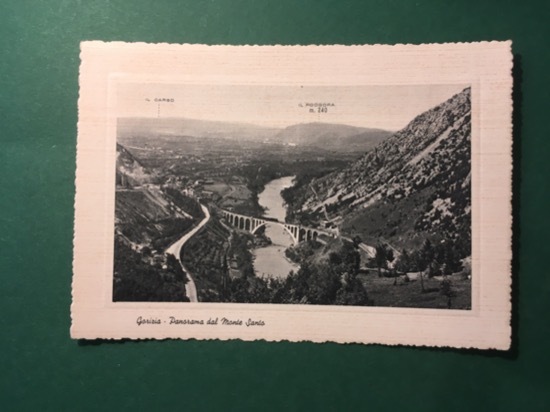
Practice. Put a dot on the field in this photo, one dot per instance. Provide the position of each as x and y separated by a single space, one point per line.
234 196
220 188
383 292
229 191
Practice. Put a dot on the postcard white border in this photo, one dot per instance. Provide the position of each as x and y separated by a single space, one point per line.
486 66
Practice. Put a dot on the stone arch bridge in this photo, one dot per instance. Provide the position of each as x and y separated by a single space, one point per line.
252 224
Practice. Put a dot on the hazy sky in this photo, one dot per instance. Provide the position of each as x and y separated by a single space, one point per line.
385 107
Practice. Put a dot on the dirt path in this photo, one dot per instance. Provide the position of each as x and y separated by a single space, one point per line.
175 249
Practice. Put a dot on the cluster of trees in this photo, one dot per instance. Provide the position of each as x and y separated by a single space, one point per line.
258 174
205 256
334 281
429 260
439 259
170 230
303 251
159 233
137 278
240 255
188 204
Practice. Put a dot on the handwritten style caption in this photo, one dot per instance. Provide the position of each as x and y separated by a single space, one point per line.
172 320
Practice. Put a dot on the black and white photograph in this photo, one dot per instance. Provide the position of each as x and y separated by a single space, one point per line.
294 194
319 193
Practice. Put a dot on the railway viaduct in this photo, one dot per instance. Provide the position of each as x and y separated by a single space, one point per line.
252 224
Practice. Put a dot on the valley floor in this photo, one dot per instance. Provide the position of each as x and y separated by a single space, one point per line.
382 292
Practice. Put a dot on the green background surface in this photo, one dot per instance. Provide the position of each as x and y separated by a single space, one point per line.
41 368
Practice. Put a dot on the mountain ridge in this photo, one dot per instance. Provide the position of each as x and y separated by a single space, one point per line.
149 126
331 136
412 186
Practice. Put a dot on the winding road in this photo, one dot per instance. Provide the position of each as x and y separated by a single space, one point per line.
175 249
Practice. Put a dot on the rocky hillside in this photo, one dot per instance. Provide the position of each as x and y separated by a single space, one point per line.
129 171
412 186
148 218
145 213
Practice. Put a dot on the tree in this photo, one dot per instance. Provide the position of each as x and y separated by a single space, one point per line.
351 292
334 259
423 259
451 259
403 263
174 266
380 257
323 284
351 259
427 251
390 256
447 290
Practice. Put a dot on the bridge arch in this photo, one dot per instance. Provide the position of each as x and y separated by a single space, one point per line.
252 224
257 227
285 227
302 233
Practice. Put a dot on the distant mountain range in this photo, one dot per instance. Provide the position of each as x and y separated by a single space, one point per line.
328 136
412 186
129 127
331 136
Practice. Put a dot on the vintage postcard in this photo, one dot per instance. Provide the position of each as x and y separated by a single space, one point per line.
303 193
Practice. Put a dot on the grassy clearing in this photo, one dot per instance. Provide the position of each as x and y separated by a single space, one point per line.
409 294
233 191
236 197
219 187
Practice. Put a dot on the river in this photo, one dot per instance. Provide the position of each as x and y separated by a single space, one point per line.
270 261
